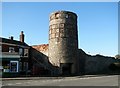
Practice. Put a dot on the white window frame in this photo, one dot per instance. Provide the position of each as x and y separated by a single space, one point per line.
17 66
11 49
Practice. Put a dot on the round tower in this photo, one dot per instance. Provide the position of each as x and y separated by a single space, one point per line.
63 42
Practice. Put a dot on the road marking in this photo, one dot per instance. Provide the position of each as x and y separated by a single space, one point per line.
18 83
95 77
10 84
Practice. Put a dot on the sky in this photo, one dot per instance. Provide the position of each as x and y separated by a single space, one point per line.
97 23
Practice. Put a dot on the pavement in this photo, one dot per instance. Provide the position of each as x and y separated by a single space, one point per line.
31 78
43 78
87 80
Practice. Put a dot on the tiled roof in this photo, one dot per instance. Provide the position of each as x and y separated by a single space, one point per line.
42 47
5 40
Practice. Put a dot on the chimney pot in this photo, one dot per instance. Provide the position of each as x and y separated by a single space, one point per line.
11 37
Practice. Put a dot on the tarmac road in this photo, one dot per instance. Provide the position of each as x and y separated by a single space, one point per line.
65 81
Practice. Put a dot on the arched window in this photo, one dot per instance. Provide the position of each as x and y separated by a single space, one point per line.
56 15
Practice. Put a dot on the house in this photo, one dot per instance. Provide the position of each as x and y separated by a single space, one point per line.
15 56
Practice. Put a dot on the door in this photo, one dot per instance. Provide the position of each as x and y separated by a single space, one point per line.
66 68
14 66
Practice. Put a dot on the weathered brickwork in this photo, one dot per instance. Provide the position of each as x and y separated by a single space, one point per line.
63 40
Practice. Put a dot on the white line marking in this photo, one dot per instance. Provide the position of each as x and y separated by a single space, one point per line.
10 84
18 83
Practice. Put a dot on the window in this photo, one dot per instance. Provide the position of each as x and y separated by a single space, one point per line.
11 49
57 15
25 52
0 48
13 66
21 51
6 67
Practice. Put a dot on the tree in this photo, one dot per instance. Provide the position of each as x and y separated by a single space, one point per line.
117 56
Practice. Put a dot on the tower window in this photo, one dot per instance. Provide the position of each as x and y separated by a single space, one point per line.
57 15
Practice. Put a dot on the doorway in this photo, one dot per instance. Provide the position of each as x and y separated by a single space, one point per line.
66 68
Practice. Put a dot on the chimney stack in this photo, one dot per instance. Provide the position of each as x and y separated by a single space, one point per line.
22 37
11 37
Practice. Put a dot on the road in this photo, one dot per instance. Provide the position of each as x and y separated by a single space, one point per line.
67 81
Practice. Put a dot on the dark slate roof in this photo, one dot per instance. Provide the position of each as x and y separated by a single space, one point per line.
5 40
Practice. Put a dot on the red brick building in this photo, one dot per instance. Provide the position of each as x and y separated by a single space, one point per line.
15 56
